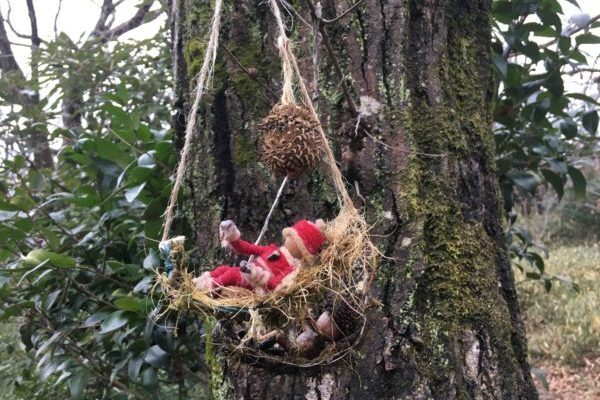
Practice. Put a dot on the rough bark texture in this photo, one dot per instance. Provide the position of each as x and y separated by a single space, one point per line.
447 323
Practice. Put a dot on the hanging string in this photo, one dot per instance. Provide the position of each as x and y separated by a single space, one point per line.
288 57
273 206
203 80
283 43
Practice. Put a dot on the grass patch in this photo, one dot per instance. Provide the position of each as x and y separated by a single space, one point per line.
564 325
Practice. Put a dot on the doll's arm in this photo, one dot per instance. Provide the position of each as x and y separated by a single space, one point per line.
247 248
230 236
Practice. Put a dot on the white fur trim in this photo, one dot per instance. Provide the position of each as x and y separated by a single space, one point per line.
204 281
258 275
294 262
321 225
287 280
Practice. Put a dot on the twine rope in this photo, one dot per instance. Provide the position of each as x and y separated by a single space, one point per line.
204 78
266 223
289 59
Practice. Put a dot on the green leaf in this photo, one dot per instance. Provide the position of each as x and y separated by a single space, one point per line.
36 180
111 151
156 357
78 381
533 275
578 56
95 319
526 180
559 165
121 122
579 182
587 38
590 121
574 2
130 303
568 128
134 366
144 285
108 174
118 367
531 50
151 262
547 285
503 11
555 180
540 375
37 256
149 378
583 97
549 17
500 64
114 321
564 44
132 193
146 160
554 83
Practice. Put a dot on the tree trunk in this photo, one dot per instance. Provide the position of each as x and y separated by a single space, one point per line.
446 322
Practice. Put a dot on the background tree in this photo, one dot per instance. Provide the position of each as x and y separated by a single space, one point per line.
414 79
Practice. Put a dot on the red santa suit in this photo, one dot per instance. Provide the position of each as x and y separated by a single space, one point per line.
272 263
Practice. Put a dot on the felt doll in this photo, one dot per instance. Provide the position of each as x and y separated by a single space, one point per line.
273 266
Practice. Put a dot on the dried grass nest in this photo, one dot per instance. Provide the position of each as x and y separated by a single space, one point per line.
339 277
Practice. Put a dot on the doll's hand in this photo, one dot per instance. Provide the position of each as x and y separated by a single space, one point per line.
228 232
245 267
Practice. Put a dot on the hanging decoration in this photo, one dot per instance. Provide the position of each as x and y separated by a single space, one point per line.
291 141
318 315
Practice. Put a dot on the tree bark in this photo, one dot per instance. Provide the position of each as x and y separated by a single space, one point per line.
445 323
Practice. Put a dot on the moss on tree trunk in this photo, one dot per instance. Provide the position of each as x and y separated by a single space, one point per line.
446 324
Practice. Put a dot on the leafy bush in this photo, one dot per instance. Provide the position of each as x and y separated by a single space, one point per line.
87 230
541 130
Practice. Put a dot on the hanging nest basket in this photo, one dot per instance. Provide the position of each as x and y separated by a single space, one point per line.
291 142
336 282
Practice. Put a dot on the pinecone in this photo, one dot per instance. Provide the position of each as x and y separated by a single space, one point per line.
344 316
291 140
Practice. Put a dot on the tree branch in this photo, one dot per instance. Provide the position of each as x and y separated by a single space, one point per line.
56 18
342 15
10 25
578 70
35 38
105 11
574 31
8 63
334 60
134 22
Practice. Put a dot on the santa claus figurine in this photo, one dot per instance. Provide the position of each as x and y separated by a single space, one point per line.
273 266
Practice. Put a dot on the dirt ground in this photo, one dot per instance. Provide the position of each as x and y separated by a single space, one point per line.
570 383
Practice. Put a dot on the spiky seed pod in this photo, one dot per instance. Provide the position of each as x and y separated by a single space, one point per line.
291 140
345 317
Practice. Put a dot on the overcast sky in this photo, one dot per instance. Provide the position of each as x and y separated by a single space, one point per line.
78 17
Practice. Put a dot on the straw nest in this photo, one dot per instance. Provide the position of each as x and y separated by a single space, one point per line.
337 281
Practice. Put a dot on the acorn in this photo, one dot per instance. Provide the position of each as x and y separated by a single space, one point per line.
292 142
